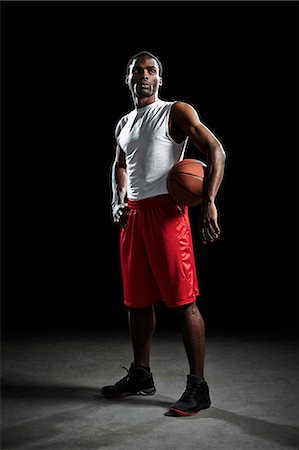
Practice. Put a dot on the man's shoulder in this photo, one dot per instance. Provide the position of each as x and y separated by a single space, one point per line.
122 122
180 105
181 109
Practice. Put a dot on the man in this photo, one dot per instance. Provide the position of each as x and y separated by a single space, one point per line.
156 249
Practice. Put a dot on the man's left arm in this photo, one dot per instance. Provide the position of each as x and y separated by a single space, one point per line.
186 118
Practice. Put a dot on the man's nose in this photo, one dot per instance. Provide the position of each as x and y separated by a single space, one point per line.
144 73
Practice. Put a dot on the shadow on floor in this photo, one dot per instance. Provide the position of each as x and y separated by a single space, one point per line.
81 405
286 435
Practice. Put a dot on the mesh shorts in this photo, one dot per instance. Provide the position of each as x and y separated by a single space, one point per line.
157 256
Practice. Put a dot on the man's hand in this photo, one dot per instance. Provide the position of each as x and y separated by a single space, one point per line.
120 214
209 228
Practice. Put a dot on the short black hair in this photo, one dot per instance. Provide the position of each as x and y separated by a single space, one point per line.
145 53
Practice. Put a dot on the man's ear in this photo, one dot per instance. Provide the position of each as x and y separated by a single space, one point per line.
127 80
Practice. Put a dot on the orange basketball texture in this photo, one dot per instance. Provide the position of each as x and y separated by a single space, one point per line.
185 182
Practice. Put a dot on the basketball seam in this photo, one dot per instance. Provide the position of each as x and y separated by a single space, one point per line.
186 162
187 190
190 174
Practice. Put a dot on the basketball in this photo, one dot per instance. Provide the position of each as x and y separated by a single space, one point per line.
185 182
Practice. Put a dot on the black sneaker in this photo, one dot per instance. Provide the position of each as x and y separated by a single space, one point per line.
138 381
195 398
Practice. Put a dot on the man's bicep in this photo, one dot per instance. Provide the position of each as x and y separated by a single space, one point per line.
188 120
199 133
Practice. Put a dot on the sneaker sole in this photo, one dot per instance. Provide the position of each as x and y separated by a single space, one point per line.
177 412
145 392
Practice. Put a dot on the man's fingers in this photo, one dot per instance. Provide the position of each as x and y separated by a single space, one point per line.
120 213
206 236
209 228
210 232
124 219
215 227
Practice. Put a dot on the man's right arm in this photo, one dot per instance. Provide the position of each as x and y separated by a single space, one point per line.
119 187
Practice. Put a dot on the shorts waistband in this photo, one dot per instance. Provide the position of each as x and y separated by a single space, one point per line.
150 202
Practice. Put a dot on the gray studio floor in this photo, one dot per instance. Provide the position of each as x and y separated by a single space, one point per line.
51 398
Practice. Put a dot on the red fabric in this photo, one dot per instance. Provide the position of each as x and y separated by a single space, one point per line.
157 257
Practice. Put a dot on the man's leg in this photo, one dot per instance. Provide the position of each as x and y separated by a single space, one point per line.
139 379
196 395
142 322
193 329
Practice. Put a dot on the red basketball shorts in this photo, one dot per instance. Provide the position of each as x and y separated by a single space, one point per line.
157 255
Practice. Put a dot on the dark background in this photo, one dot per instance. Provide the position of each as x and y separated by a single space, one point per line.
63 69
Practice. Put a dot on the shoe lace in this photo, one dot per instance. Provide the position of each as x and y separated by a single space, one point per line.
189 392
126 378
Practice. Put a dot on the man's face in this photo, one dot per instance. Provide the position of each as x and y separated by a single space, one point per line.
143 78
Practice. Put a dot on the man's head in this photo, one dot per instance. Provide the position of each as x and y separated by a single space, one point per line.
144 74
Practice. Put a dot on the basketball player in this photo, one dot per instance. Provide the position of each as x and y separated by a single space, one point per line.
156 247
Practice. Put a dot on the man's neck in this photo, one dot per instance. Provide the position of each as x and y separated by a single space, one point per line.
145 101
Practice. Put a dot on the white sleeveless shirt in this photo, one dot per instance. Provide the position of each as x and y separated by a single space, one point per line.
150 152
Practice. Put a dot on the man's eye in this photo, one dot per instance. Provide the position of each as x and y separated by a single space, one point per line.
152 70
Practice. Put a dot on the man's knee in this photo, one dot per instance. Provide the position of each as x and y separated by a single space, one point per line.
141 312
190 308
